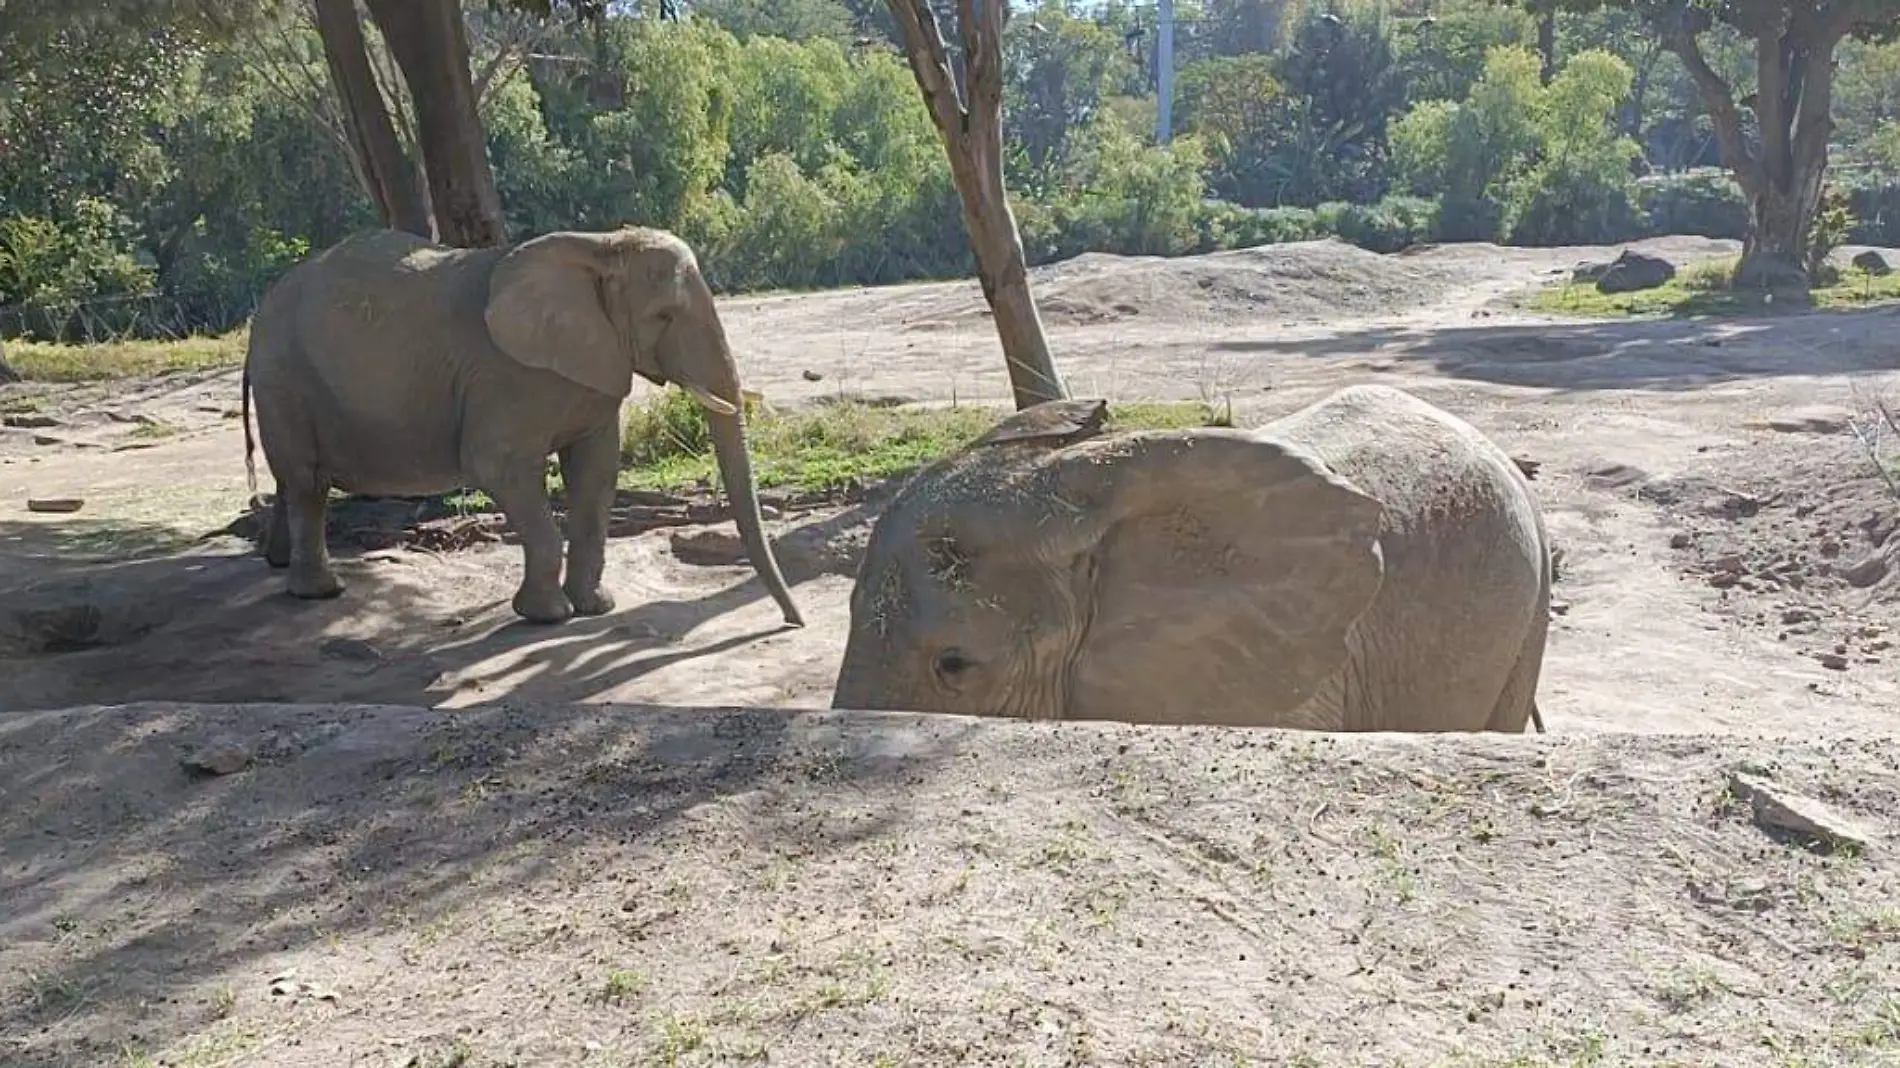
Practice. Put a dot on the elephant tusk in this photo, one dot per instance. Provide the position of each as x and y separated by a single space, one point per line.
713 402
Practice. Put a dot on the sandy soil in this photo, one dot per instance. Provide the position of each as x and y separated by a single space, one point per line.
988 893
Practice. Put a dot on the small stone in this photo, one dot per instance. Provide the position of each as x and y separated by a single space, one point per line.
1865 573
1797 615
1681 539
1832 661
222 758
1560 608
814 376
29 421
1722 580
707 547
350 649
55 504
1873 263
1779 809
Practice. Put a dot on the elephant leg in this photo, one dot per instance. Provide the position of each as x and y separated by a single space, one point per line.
589 467
311 576
521 491
277 532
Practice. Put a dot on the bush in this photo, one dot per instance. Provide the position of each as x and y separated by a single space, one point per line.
1392 224
1704 203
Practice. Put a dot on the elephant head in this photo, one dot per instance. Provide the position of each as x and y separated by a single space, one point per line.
1206 575
598 308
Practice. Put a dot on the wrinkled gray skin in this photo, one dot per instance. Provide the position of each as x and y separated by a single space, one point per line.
1369 562
388 366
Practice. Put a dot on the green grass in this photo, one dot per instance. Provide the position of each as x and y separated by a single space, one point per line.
665 445
1703 289
39 362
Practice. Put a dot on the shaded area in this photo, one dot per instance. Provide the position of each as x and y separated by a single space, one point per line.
215 625
1666 355
133 878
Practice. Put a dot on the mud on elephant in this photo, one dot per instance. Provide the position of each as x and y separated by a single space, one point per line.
1368 562
391 366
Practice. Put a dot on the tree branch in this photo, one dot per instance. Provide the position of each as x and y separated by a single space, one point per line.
930 63
1720 102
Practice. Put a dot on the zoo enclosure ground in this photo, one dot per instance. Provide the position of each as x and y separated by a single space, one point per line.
817 898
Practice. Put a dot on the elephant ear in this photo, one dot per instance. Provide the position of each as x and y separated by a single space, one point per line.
545 309
1227 571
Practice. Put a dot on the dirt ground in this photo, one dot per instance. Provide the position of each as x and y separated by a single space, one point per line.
526 841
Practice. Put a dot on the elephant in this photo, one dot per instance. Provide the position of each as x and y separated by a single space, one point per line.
1368 562
391 366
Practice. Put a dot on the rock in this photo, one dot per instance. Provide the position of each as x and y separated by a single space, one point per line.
707 547
1722 580
1615 476
1681 539
219 758
1865 573
1728 564
1633 271
29 422
350 649
814 376
1778 809
1832 661
1873 263
55 504
1527 465
1797 615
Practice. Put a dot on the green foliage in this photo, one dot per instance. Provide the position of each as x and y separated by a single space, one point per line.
666 445
1704 289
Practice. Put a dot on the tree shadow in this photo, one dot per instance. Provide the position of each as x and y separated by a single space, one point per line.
1655 354
133 882
213 624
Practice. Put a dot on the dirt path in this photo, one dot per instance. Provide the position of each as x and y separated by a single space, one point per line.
1641 429
620 886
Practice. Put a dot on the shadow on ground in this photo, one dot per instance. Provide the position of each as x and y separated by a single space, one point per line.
213 624
1649 354
134 882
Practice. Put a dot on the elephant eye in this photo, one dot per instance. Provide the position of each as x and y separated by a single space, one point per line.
952 664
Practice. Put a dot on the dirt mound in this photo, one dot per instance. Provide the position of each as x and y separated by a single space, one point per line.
1307 280
295 885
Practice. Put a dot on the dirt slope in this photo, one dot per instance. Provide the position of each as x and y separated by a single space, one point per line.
612 885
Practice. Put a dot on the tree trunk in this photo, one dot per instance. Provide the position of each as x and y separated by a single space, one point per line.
972 137
386 173
7 373
430 43
1783 179
1547 44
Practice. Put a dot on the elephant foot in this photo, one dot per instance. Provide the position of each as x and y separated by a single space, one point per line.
543 606
594 602
321 586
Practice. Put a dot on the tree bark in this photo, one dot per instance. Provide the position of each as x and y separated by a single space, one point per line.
1782 179
430 43
1547 44
971 128
386 173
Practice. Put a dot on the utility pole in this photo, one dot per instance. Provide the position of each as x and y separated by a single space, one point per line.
1164 72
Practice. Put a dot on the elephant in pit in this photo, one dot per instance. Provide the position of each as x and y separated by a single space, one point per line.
1366 563
389 366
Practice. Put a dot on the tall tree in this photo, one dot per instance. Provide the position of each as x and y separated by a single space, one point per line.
1781 171
968 114
387 174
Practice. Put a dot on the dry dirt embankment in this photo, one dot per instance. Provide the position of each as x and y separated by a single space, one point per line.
622 885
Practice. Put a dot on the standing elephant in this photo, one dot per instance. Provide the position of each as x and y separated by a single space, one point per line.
391 366
1366 563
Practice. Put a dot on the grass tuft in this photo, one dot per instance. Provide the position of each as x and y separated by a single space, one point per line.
40 362
665 444
1704 289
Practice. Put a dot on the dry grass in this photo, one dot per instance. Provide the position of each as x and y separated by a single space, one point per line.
38 362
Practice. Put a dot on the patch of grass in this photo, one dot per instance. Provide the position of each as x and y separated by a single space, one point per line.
1703 289
154 430
621 985
38 362
666 445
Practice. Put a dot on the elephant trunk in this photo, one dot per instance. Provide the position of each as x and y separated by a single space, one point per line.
735 470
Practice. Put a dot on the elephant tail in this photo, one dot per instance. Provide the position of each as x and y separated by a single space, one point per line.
244 413
1537 718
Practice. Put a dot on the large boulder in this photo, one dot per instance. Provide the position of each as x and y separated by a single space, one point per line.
1628 273
1873 263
